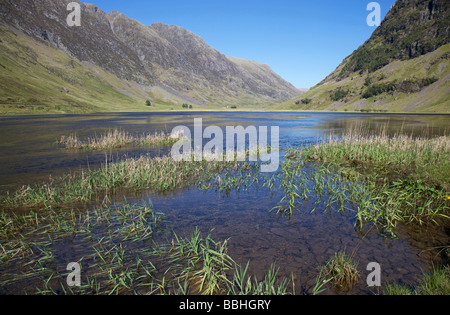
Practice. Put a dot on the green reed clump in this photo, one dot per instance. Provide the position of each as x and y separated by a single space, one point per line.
402 179
202 266
243 284
402 201
421 158
289 183
318 184
232 179
342 271
115 139
156 174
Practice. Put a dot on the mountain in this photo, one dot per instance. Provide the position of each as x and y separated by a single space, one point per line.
403 67
112 62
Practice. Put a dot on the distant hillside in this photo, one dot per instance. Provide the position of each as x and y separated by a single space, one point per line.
403 67
112 62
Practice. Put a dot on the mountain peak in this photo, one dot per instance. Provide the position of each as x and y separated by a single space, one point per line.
167 58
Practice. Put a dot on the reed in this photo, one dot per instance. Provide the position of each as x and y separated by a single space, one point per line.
155 174
342 271
244 284
387 179
115 139
201 264
417 157
108 236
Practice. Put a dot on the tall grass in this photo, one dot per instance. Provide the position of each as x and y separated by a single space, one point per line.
417 157
402 178
155 174
114 139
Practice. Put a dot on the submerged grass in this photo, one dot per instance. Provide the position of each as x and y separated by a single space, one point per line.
202 266
36 247
155 174
120 256
384 180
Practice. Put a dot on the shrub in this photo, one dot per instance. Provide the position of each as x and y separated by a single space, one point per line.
406 86
368 81
306 101
377 89
339 94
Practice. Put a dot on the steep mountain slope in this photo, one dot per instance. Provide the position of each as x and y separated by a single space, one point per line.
183 61
404 66
132 62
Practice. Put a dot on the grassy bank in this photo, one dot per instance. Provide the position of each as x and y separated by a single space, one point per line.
399 156
406 179
384 180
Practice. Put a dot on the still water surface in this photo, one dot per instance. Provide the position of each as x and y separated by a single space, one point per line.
28 154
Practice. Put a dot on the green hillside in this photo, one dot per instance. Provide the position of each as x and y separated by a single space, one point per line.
421 84
38 78
115 63
403 67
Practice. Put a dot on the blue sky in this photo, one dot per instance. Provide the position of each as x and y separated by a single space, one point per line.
302 40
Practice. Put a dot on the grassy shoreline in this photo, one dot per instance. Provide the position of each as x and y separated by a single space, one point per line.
220 110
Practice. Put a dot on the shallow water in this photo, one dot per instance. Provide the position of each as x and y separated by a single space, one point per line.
299 245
